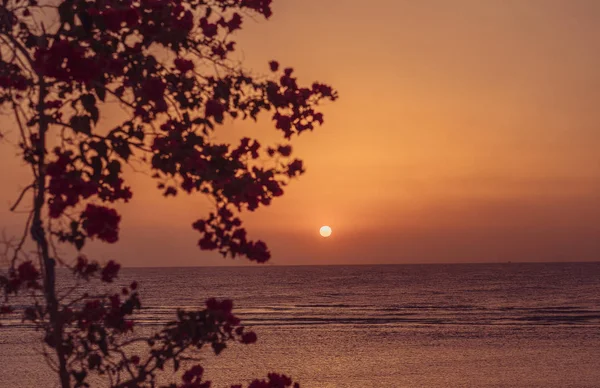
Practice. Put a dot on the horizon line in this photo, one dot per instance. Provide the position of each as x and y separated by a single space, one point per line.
258 265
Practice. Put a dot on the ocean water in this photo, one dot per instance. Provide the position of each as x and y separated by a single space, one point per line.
471 325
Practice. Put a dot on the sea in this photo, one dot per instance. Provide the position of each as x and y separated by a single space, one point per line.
459 325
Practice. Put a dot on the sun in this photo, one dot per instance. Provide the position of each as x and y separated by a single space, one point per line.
325 231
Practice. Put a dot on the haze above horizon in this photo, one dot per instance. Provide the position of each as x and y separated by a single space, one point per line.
466 131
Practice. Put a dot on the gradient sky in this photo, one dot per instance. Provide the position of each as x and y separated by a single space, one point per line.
466 131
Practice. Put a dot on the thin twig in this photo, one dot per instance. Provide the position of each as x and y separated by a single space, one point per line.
25 190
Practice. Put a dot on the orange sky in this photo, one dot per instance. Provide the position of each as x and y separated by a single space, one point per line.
466 130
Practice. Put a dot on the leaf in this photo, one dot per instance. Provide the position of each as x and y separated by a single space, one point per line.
100 92
94 114
114 168
122 149
96 164
218 347
81 124
88 100
79 243
89 104
100 147
65 11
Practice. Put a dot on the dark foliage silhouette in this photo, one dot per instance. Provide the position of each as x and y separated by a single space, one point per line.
167 64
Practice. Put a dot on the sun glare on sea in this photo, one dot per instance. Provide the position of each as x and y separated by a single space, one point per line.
325 231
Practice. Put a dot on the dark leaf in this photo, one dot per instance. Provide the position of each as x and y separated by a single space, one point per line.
81 124
89 104
65 11
100 92
218 347
79 243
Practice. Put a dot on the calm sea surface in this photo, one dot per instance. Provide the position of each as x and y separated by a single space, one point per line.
505 325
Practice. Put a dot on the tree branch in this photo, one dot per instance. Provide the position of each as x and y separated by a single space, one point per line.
25 190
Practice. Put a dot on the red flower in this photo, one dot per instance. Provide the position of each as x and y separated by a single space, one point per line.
110 271
154 89
235 23
186 22
214 109
193 378
249 337
101 222
285 150
27 272
295 168
112 19
199 225
257 251
206 243
212 304
94 360
6 310
226 305
170 191
283 122
261 6
85 269
318 117
184 65
131 17
208 29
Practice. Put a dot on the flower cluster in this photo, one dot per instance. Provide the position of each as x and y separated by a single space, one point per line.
66 61
106 52
68 185
101 222
273 380
25 276
294 105
222 232
192 378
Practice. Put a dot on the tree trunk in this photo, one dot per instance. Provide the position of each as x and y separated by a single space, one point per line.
39 236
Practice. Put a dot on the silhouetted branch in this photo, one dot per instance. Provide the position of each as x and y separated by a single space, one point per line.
23 192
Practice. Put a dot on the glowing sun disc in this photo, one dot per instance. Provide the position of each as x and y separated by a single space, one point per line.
325 231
